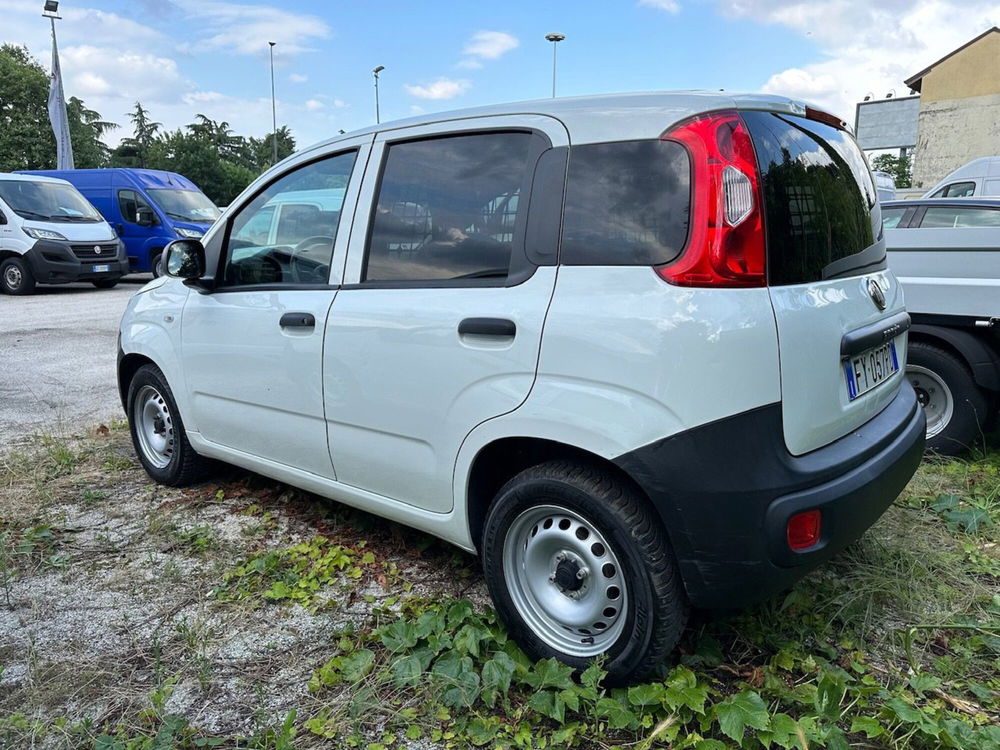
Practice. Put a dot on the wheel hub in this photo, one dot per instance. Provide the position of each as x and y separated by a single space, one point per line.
569 574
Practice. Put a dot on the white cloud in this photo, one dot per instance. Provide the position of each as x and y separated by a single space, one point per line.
865 46
442 88
298 78
669 6
246 29
489 45
313 105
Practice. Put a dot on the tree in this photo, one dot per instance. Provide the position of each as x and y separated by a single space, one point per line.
134 151
262 150
898 166
86 128
26 141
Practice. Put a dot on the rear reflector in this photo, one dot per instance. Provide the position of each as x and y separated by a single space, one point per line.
725 246
804 529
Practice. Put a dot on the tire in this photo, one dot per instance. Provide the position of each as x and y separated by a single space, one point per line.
157 430
630 584
956 408
16 277
105 283
155 265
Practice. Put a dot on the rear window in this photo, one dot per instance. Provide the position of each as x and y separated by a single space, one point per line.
627 203
820 205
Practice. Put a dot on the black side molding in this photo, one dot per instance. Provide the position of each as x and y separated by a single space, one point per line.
877 333
488 327
298 320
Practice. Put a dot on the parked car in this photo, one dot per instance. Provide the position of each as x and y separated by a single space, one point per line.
629 406
946 253
50 234
148 208
885 186
978 178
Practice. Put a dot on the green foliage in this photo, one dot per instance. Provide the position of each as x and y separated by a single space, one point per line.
299 574
899 167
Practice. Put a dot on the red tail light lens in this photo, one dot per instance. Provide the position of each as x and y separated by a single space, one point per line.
725 244
804 529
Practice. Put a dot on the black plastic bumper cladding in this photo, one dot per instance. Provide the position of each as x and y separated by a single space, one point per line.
726 490
53 262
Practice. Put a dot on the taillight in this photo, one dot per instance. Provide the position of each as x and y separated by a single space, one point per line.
803 529
726 237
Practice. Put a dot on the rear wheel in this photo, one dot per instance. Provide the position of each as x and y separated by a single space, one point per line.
955 407
158 432
105 283
16 277
580 567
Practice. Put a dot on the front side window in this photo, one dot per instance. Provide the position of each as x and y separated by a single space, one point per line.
299 249
891 217
448 208
956 190
960 217
131 205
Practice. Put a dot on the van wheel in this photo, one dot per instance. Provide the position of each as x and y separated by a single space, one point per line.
16 277
158 432
955 407
579 567
105 283
155 265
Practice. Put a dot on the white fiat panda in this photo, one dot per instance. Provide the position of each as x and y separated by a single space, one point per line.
639 352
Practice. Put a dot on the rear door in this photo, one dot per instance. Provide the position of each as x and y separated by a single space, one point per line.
831 291
439 323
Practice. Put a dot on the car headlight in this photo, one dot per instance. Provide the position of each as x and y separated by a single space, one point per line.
190 233
42 234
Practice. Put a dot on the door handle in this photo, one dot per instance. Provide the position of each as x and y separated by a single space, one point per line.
298 320
488 327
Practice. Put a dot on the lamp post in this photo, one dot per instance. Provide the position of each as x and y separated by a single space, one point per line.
274 111
375 73
555 39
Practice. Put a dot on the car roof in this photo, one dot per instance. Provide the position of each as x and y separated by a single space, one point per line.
603 117
31 178
965 202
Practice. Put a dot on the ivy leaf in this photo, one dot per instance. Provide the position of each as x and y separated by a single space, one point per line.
460 679
829 695
497 673
650 694
745 709
459 612
400 636
430 622
407 670
480 731
355 666
868 725
550 673
683 690
784 731
570 698
548 704
924 682
904 711
619 715
468 639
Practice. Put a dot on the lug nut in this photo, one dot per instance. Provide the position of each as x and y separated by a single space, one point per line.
582 573
560 557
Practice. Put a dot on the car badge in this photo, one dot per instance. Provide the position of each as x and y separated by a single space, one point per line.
877 295
97 249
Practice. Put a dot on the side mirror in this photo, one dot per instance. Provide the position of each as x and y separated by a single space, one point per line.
184 259
144 217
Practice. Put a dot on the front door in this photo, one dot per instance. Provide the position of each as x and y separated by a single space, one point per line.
439 323
253 346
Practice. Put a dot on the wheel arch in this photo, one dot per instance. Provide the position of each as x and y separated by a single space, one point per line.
128 366
981 359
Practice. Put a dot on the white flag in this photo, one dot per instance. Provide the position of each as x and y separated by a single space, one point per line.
57 112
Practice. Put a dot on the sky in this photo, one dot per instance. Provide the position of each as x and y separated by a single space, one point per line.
181 58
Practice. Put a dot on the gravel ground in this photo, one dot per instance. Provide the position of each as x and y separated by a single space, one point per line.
57 358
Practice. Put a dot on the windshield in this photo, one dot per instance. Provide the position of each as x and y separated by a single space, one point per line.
47 201
185 205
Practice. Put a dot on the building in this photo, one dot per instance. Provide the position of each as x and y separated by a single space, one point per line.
959 116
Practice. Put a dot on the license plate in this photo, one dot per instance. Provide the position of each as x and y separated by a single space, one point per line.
100 269
870 368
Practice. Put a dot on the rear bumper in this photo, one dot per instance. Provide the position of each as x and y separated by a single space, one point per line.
726 490
54 263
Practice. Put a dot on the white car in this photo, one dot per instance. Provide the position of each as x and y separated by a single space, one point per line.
979 178
638 352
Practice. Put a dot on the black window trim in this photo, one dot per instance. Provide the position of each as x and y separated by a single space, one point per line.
270 286
515 276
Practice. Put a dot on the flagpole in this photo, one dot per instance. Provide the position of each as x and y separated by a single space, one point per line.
57 99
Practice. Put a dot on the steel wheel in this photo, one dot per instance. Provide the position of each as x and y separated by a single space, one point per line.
565 580
934 395
12 276
153 426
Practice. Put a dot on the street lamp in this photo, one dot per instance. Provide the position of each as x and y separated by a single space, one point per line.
375 73
274 112
555 39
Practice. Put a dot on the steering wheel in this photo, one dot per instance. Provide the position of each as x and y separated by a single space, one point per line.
306 270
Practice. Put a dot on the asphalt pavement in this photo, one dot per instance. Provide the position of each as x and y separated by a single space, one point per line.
58 350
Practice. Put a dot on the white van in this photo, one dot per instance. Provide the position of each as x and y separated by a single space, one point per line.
979 177
50 234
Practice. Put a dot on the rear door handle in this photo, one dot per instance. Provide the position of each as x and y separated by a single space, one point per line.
488 327
298 320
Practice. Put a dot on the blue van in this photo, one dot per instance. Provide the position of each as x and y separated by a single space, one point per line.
147 207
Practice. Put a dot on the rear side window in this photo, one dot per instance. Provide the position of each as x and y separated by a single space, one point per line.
449 208
627 203
820 205
960 217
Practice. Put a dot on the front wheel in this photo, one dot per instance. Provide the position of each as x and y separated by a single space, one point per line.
16 277
580 567
954 405
156 265
158 432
